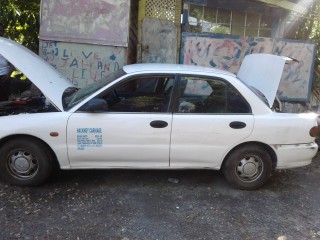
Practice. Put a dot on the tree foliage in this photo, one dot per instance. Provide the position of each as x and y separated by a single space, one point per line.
307 26
21 21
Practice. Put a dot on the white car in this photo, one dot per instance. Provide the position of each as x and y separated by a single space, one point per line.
156 116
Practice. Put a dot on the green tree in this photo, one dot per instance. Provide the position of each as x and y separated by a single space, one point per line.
21 21
307 26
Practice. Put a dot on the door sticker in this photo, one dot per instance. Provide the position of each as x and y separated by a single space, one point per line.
89 138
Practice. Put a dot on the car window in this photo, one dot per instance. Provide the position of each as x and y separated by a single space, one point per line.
141 94
236 102
206 95
260 95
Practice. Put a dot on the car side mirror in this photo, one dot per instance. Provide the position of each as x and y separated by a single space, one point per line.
95 105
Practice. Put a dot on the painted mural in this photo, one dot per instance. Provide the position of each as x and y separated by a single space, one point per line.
227 52
83 63
104 22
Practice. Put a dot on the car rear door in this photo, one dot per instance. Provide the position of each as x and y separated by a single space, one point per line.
211 117
134 132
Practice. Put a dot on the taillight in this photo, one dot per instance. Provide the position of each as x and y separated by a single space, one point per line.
314 131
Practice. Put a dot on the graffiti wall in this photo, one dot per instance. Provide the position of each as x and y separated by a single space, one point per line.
83 63
103 22
227 52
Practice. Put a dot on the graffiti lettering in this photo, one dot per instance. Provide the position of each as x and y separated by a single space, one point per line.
74 63
65 55
84 63
86 56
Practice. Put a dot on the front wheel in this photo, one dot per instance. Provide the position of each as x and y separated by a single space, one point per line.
25 162
248 167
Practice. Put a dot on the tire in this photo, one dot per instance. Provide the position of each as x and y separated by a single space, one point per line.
248 167
25 162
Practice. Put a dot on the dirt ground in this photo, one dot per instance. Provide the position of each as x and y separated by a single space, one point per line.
126 205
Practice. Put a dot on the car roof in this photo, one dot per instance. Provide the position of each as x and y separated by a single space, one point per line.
176 68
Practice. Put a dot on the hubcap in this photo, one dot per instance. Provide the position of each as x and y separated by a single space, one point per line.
249 168
22 164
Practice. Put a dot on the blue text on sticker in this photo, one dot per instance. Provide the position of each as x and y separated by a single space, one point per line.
89 130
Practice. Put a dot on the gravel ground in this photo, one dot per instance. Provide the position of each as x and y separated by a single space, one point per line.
127 205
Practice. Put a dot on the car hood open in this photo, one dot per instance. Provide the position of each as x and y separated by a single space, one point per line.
263 72
50 82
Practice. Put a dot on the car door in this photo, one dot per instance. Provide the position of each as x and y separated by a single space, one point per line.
133 132
211 117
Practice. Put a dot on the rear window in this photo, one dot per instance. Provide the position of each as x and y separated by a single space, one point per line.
260 95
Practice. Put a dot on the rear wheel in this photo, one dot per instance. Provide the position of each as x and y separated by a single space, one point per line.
25 162
248 167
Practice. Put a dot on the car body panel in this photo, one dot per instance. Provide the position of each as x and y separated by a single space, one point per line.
290 153
125 140
263 71
295 155
51 83
201 141
38 126
283 128
175 68
288 135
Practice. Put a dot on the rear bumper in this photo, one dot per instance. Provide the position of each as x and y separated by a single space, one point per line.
295 155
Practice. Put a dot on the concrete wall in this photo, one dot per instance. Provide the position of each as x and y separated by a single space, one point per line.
83 63
227 52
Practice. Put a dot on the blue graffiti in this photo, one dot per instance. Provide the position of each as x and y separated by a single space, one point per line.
86 56
208 50
212 64
113 57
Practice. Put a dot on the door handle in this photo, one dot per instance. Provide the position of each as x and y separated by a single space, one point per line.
158 124
237 125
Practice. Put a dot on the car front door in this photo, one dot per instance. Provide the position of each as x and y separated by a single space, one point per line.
211 117
134 132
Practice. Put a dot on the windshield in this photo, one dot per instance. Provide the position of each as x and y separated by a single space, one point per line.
73 95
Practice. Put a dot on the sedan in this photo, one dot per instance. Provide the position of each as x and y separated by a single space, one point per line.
156 116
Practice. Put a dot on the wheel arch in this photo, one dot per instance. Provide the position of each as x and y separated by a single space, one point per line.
266 147
8 138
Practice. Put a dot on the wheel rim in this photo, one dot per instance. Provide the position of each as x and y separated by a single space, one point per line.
22 164
249 168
